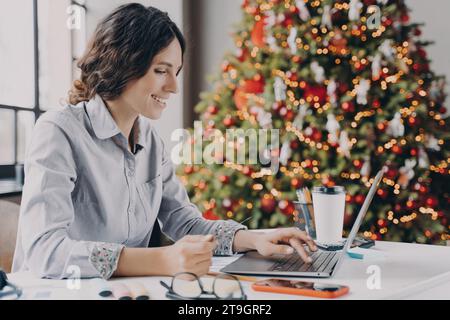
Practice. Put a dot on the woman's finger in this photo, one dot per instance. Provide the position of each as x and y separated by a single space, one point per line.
268 249
287 233
301 251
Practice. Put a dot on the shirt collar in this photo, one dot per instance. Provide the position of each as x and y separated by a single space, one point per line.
104 125
102 121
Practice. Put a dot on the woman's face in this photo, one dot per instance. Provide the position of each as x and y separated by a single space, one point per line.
148 95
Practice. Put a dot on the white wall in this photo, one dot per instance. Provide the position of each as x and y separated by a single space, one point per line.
173 116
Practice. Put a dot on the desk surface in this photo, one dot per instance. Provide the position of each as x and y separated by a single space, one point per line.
407 271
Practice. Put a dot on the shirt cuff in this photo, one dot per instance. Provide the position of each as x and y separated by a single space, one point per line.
105 257
224 234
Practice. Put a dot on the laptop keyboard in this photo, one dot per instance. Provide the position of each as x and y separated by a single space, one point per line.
321 260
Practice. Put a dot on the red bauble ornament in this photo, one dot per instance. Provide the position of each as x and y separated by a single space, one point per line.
348 218
294 144
443 110
397 150
381 126
376 104
247 171
317 135
258 32
359 199
358 164
254 86
289 115
404 18
413 121
210 215
413 152
397 208
381 223
188 169
286 207
316 91
387 22
213 109
391 173
287 22
431 201
348 106
228 121
243 54
343 87
224 179
382 193
417 32
296 183
422 53
268 204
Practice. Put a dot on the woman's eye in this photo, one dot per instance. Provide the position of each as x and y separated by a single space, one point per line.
160 71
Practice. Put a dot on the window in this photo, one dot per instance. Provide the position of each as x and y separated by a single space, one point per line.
39 44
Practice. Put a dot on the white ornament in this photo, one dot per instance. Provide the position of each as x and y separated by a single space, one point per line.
395 127
424 161
344 144
432 143
376 67
263 117
299 119
272 42
303 10
361 91
366 168
326 17
279 89
386 49
353 12
318 71
292 40
333 128
436 89
308 131
383 2
331 92
270 21
285 153
406 173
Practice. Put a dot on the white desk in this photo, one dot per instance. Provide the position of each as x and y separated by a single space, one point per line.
408 271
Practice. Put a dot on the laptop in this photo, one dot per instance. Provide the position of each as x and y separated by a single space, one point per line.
324 264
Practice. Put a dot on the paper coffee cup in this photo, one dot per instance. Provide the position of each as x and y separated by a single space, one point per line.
329 208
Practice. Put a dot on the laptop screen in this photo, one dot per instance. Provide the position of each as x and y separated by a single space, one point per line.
361 215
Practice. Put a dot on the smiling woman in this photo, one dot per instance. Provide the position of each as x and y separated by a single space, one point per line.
98 176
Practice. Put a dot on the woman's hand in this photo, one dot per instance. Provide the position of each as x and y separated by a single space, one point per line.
280 241
193 253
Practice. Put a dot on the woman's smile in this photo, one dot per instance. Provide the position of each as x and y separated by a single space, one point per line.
162 102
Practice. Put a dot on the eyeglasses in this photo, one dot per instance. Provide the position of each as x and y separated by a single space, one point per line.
187 286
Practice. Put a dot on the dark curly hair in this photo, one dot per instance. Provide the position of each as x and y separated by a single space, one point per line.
122 49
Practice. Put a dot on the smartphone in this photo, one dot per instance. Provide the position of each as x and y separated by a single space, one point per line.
303 288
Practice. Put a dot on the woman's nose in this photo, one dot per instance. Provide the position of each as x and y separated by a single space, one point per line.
172 84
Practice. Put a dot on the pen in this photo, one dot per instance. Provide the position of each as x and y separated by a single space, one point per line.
138 291
102 287
121 291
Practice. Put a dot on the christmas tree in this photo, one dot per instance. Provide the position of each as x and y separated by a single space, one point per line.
348 86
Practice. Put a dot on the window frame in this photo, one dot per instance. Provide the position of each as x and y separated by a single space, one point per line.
8 171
